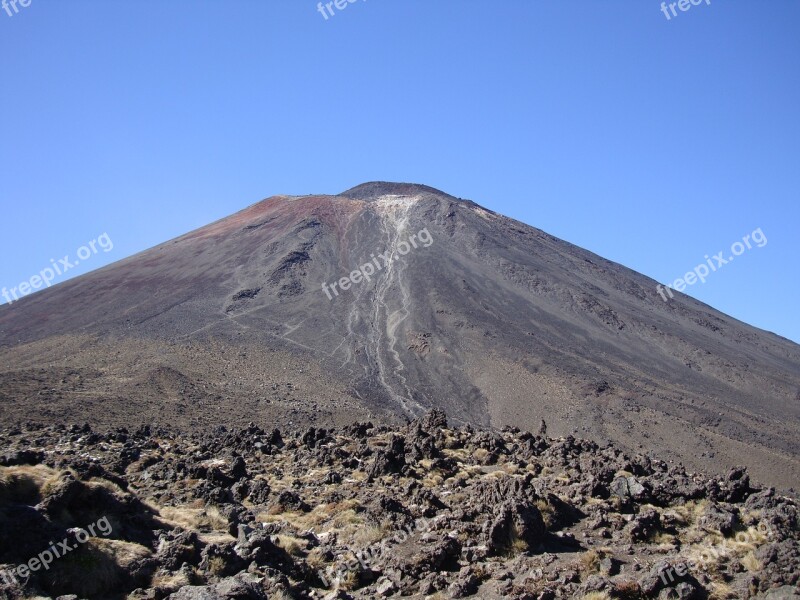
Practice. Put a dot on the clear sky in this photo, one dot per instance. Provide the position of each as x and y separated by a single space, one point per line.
649 141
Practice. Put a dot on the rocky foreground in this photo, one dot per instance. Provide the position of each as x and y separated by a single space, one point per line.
421 511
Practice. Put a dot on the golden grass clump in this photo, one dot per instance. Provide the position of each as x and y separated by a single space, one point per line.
518 545
172 582
548 512
432 480
216 566
751 563
480 454
514 545
297 519
292 545
367 536
347 518
316 559
589 561
721 591
457 454
26 484
692 510
679 517
665 541
201 519
97 569
349 581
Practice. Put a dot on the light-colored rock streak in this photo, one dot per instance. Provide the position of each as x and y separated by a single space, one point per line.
394 213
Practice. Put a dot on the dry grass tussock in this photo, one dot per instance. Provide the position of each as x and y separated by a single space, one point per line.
26 484
201 519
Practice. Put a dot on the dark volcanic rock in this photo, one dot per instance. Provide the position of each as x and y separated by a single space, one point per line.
382 511
241 587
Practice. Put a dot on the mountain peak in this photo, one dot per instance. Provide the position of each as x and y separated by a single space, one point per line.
372 190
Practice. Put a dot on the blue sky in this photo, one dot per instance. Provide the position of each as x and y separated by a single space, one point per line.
651 142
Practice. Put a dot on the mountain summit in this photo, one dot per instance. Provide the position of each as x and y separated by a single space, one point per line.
388 300
375 189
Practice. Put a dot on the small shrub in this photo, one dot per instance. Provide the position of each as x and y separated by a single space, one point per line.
316 559
514 545
751 563
216 566
292 545
548 512
26 484
590 561
480 454
349 581
370 535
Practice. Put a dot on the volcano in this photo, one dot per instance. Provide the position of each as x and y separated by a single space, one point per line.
383 302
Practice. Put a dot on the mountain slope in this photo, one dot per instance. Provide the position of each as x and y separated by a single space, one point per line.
487 318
